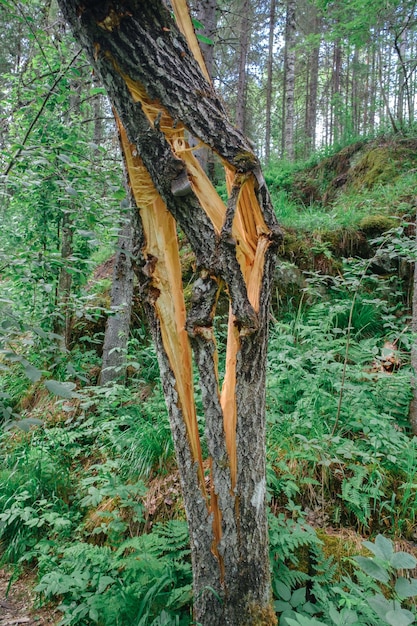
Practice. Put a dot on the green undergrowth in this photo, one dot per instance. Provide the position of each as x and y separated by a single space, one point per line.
83 477
77 491
338 192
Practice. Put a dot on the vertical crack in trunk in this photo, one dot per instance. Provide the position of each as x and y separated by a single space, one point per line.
243 240
164 271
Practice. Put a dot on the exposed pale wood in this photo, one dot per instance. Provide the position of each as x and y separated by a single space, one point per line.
163 266
185 25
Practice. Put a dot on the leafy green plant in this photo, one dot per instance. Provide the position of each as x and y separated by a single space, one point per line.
146 580
387 566
338 436
122 508
350 604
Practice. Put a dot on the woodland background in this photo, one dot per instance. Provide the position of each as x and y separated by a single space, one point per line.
90 502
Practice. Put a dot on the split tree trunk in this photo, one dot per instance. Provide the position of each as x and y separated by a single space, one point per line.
159 90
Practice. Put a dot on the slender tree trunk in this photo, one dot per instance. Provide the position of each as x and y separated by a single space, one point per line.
244 40
367 104
157 87
206 12
269 76
62 325
373 80
118 323
404 93
385 94
336 93
356 90
312 88
413 404
98 118
289 82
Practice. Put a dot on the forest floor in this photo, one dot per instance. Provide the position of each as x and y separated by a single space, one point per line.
16 603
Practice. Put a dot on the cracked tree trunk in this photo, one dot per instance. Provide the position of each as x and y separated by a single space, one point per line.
159 87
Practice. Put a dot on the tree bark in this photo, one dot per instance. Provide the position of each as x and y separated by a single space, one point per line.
336 117
62 324
289 82
118 323
206 13
312 86
269 73
157 87
413 404
244 39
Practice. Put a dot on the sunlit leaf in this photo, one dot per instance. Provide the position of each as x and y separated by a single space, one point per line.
63 390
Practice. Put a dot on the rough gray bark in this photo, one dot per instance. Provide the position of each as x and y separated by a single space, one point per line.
289 82
118 323
269 71
312 84
358 91
139 40
336 114
244 40
413 404
206 13
403 90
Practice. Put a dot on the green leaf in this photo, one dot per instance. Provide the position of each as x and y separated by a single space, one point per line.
64 158
382 548
97 90
24 424
63 390
104 582
399 617
406 587
32 372
403 560
119 194
380 605
283 591
298 597
204 39
372 568
93 614
280 606
304 621
349 617
334 614
197 24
